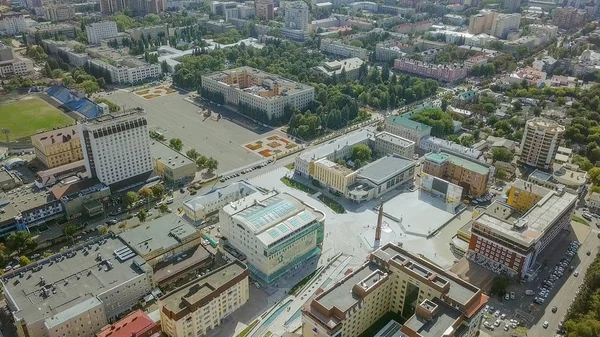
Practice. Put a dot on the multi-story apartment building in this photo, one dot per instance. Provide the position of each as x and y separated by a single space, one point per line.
543 31
259 90
392 280
59 12
200 305
137 7
297 15
57 147
385 143
76 292
466 172
220 7
511 6
441 72
568 17
386 51
482 22
275 231
51 30
540 142
264 9
12 23
116 147
99 31
507 240
403 126
504 24
339 48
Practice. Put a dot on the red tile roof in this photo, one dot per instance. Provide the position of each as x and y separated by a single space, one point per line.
134 324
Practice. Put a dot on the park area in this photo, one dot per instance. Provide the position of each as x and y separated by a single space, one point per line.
154 92
31 115
271 146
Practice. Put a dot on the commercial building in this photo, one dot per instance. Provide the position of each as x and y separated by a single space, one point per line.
297 15
507 240
136 324
568 17
379 177
198 207
76 292
275 231
403 126
505 24
441 72
172 165
116 146
9 180
123 68
80 197
540 142
99 31
468 173
258 90
200 306
57 147
264 9
12 23
59 12
562 176
392 280
337 47
347 68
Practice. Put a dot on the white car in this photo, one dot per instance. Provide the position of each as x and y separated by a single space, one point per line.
576 273
545 325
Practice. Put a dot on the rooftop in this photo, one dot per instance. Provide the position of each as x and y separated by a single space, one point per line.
336 67
162 233
450 146
115 117
385 168
21 199
392 138
131 325
169 157
405 121
469 164
240 188
56 137
78 189
69 278
331 146
200 291
443 320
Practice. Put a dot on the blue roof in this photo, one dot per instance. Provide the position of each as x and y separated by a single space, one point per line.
73 102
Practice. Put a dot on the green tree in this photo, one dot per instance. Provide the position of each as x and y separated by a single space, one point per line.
163 208
201 162
130 198
158 190
502 154
142 215
102 230
499 285
69 230
176 144
361 154
501 174
24 260
211 164
90 87
20 241
193 154
595 175
146 193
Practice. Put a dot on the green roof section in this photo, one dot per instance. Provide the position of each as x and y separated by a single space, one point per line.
405 120
471 165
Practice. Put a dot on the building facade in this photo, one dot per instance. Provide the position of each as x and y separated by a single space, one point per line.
338 48
444 73
129 70
200 306
392 280
504 24
404 127
342 69
59 13
116 147
99 31
541 139
12 23
297 15
276 232
57 147
264 9
468 173
568 17
136 324
385 143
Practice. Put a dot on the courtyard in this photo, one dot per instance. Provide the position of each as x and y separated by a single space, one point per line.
154 92
175 117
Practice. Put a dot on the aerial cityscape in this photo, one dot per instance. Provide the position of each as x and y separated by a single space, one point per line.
301 168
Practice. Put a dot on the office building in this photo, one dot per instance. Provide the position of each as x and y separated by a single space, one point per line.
264 9
511 6
540 142
122 68
153 32
275 231
482 22
403 126
76 292
435 302
57 147
201 305
136 324
99 31
562 176
505 24
59 12
441 72
505 239
198 207
172 165
12 23
297 15
466 172
220 7
342 69
339 48
385 143
568 17
116 146
258 90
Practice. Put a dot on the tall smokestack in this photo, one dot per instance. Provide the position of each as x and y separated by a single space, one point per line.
379 221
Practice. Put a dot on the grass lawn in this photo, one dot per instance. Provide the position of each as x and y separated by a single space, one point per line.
580 220
28 117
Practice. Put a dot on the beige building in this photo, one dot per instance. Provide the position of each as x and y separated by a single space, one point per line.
593 202
504 24
172 165
468 173
482 22
199 306
434 302
57 147
540 142
333 176
59 12
388 143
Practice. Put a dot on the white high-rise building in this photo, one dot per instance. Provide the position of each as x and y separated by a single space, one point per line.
116 147
12 23
297 15
540 142
98 31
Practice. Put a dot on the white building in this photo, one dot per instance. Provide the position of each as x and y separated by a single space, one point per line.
17 66
337 47
12 23
297 15
99 31
405 127
257 89
350 67
540 142
76 292
129 70
198 207
275 231
434 144
116 147
547 31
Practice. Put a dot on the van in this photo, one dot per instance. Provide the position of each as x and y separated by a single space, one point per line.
169 201
529 292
